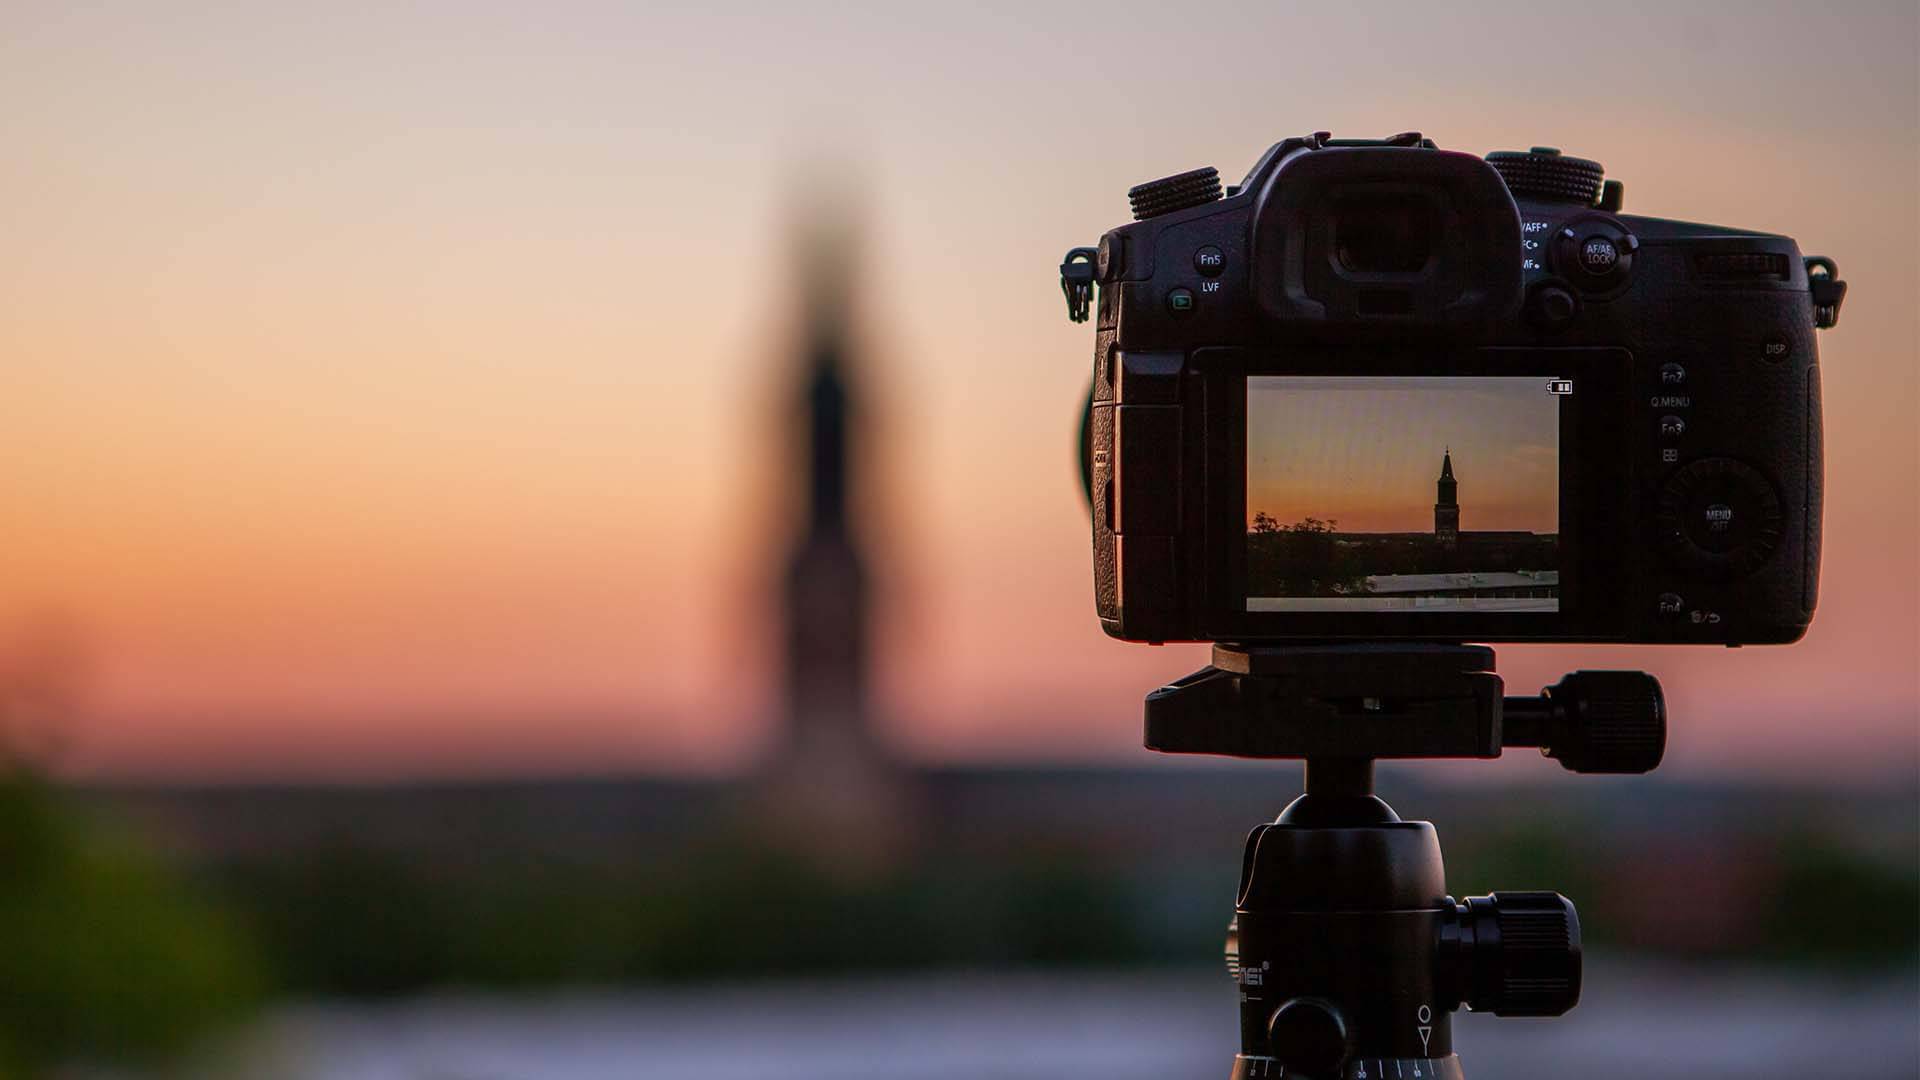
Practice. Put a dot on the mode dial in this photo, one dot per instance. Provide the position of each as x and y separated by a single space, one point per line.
1170 193
1546 174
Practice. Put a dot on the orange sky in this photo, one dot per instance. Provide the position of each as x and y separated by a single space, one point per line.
388 392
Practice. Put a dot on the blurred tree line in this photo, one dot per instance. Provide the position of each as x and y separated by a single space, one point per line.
350 921
355 922
105 953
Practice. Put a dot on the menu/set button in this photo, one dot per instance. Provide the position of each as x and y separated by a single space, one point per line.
1719 516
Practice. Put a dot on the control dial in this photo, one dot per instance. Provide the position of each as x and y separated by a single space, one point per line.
1719 516
1170 193
1547 175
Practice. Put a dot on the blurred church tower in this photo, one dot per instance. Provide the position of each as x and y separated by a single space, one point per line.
830 787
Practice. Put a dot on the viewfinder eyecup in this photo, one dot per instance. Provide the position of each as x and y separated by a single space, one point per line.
1405 236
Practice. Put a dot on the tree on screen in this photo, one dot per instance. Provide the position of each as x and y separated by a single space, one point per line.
1306 558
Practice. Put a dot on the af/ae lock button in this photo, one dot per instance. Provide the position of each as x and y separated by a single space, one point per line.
1598 255
1595 253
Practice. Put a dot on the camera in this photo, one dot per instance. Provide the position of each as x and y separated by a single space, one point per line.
1381 390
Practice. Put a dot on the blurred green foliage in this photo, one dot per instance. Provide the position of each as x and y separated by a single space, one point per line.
357 923
351 921
104 954
1794 898
1831 907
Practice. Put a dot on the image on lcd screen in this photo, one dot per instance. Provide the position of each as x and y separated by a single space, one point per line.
1403 494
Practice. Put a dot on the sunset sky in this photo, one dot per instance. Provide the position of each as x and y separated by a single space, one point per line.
398 390
1366 453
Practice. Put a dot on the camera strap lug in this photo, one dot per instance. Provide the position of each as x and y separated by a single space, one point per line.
1823 282
1076 281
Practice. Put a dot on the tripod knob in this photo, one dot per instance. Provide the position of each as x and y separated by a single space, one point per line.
1309 1036
1616 722
1593 722
1523 956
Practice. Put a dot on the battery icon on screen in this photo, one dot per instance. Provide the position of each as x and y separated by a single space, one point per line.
1562 387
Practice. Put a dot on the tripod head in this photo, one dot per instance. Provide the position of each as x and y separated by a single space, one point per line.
1349 952
1364 702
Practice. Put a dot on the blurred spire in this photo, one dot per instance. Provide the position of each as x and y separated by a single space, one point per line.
825 251
835 788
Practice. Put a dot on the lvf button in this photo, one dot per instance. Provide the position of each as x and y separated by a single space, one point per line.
1209 261
1180 302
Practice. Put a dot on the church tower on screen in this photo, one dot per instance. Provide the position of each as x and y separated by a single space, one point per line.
1446 506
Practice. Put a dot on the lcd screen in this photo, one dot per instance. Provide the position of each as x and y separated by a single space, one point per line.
1403 494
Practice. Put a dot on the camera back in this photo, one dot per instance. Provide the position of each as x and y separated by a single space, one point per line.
1381 390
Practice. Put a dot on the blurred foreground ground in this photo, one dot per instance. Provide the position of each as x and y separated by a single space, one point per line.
1638 1019
583 929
